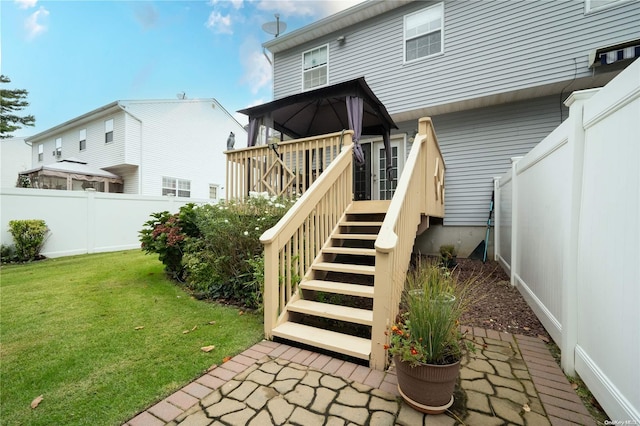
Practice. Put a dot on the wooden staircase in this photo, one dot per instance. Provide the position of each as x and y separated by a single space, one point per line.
335 308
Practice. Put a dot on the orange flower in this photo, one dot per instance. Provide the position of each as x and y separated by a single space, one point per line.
386 347
414 351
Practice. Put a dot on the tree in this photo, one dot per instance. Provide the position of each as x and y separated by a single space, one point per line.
13 100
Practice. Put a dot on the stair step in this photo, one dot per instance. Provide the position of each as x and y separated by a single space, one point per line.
338 288
350 250
369 206
356 347
336 312
344 268
358 223
370 237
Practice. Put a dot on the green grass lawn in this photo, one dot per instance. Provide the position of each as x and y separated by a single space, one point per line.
68 333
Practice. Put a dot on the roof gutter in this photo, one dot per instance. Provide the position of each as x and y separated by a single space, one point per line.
336 22
74 121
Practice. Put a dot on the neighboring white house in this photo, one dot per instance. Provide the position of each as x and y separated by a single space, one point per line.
15 157
156 147
492 75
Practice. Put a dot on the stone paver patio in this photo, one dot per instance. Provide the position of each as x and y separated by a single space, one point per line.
511 379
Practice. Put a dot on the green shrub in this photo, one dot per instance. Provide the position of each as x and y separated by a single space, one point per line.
28 237
7 254
215 250
223 263
166 234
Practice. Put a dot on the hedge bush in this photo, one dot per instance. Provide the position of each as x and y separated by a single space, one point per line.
215 250
28 237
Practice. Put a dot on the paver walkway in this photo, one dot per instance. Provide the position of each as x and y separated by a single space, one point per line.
509 380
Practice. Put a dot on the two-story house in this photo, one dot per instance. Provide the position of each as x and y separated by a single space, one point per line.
146 147
492 75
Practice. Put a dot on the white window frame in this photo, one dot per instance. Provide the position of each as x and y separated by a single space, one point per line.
108 131
58 151
41 152
82 139
326 65
175 186
214 191
406 39
589 8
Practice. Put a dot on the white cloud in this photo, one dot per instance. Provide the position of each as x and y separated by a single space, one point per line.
219 23
237 4
257 70
313 8
26 4
34 23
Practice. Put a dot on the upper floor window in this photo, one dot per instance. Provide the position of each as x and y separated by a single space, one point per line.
314 67
593 5
40 152
82 139
58 150
179 187
108 131
423 33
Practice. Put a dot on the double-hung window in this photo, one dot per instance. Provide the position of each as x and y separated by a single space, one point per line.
315 63
179 187
58 151
82 139
423 33
40 152
108 131
213 191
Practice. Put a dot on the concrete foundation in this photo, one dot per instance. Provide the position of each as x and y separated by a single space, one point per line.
464 238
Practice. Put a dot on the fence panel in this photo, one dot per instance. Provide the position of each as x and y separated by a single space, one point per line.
83 221
608 255
574 229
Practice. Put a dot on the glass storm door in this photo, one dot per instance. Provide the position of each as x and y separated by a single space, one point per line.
383 187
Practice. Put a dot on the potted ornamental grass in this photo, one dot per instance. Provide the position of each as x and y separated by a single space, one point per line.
426 342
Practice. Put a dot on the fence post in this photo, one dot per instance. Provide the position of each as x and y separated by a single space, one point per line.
514 218
569 317
91 219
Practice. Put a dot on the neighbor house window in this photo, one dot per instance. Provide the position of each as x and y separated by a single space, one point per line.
213 191
108 131
593 5
423 33
179 187
82 137
58 150
40 152
314 67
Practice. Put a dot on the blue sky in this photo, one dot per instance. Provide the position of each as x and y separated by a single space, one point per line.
76 56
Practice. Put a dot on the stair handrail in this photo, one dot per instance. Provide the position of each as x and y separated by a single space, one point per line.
294 242
395 241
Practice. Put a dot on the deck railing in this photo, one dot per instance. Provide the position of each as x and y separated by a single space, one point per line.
291 246
283 169
420 191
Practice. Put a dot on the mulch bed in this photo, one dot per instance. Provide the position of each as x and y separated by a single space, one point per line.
495 304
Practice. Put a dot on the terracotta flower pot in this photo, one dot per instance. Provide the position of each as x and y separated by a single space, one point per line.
427 388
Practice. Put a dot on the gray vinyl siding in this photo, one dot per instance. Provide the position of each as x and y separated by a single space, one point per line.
477 145
490 47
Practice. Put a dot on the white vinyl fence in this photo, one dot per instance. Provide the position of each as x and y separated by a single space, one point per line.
84 221
568 232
